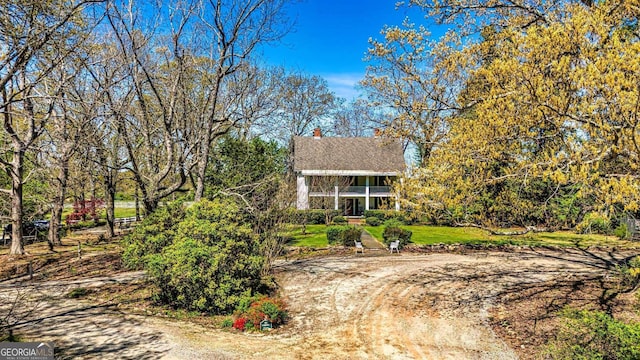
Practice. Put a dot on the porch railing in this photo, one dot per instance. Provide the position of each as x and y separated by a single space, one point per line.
379 189
349 190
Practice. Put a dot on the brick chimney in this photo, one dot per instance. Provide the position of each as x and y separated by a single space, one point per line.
317 133
376 133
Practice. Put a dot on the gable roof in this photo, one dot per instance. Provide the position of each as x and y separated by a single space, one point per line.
360 155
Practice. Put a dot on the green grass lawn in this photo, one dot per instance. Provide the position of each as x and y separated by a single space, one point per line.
122 212
118 212
428 235
315 236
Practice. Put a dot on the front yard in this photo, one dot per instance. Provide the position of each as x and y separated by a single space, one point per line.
315 236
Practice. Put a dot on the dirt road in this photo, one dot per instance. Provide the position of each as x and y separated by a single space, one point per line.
379 306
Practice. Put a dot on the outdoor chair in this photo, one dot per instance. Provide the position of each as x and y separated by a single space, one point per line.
359 247
394 245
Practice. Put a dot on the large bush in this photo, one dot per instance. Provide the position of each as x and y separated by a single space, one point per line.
208 262
350 235
333 233
344 235
393 233
594 223
595 335
154 234
339 220
373 221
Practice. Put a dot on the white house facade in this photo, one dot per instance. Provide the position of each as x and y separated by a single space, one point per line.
352 174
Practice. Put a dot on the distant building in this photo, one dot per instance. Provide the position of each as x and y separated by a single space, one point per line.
351 174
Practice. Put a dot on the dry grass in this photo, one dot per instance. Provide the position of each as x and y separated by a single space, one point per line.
528 317
97 258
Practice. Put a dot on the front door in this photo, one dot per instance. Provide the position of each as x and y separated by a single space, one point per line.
348 207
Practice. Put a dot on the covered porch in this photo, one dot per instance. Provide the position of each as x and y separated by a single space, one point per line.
353 195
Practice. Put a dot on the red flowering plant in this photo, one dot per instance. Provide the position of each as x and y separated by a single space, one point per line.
272 309
240 323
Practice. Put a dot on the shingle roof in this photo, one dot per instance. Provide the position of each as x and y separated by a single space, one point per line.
348 153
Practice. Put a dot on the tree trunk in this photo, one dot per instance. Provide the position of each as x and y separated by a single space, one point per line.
58 204
110 195
17 247
137 205
202 168
205 144
149 205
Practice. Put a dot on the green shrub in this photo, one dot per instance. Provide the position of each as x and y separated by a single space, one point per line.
344 235
333 234
392 223
151 236
227 323
312 217
622 232
350 235
339 220
393 233
384 215
373 221
594 223
629 273
245 303
209 261
588 334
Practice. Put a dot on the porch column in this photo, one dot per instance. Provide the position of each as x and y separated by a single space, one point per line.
398 199
337 200
303 192
366 193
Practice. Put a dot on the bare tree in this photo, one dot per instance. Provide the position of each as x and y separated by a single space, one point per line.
356 119
69 129
113 95
35 38
251 99
233 28
306 102
156 126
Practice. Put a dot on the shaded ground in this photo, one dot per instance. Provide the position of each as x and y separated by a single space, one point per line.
527 314
379 306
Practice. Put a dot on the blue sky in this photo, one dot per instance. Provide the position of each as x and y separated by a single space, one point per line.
330 38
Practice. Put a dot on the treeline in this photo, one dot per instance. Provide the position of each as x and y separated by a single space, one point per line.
104 97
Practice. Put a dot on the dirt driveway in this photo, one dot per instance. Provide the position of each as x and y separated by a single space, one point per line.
378 306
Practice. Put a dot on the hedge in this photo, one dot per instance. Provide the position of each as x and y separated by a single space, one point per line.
393 233
312 217
344 235
373 221
384 215
333 233
339 220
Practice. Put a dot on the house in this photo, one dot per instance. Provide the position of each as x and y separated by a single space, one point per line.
351 174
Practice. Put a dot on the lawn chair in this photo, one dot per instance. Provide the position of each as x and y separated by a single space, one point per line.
394 245
359 247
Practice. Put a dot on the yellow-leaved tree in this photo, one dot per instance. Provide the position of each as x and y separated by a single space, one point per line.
549 107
